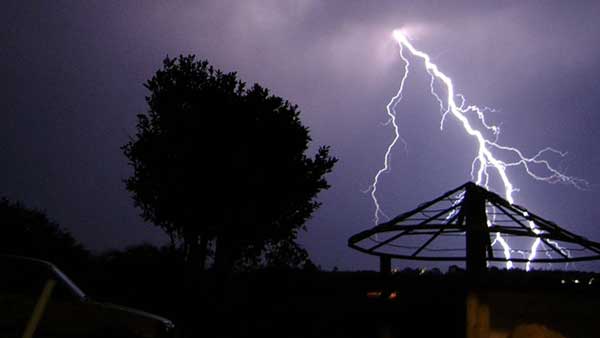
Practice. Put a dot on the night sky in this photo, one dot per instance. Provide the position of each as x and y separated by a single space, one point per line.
71 75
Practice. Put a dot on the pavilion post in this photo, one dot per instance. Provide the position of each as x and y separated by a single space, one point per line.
477 236
385 265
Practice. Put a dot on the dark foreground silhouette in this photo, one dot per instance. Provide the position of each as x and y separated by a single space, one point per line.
312 303
269 302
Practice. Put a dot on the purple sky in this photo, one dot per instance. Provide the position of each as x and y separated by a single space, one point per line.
72 74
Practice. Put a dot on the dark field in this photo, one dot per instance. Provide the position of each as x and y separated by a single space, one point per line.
271 303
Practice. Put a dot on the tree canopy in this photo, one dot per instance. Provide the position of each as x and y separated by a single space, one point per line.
29 232
213 159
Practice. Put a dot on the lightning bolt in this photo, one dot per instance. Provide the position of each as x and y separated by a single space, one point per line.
485 158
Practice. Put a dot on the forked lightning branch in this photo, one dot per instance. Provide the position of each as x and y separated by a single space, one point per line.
486 162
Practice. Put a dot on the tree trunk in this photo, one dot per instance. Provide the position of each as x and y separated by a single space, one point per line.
202 252
223 265
189 297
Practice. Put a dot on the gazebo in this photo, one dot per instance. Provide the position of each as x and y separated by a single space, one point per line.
476 226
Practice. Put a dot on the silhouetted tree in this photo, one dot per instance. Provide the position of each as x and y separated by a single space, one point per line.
214 160
29 232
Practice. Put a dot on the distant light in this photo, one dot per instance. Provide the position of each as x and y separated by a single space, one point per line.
562 281
576 281
591 281
373 294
